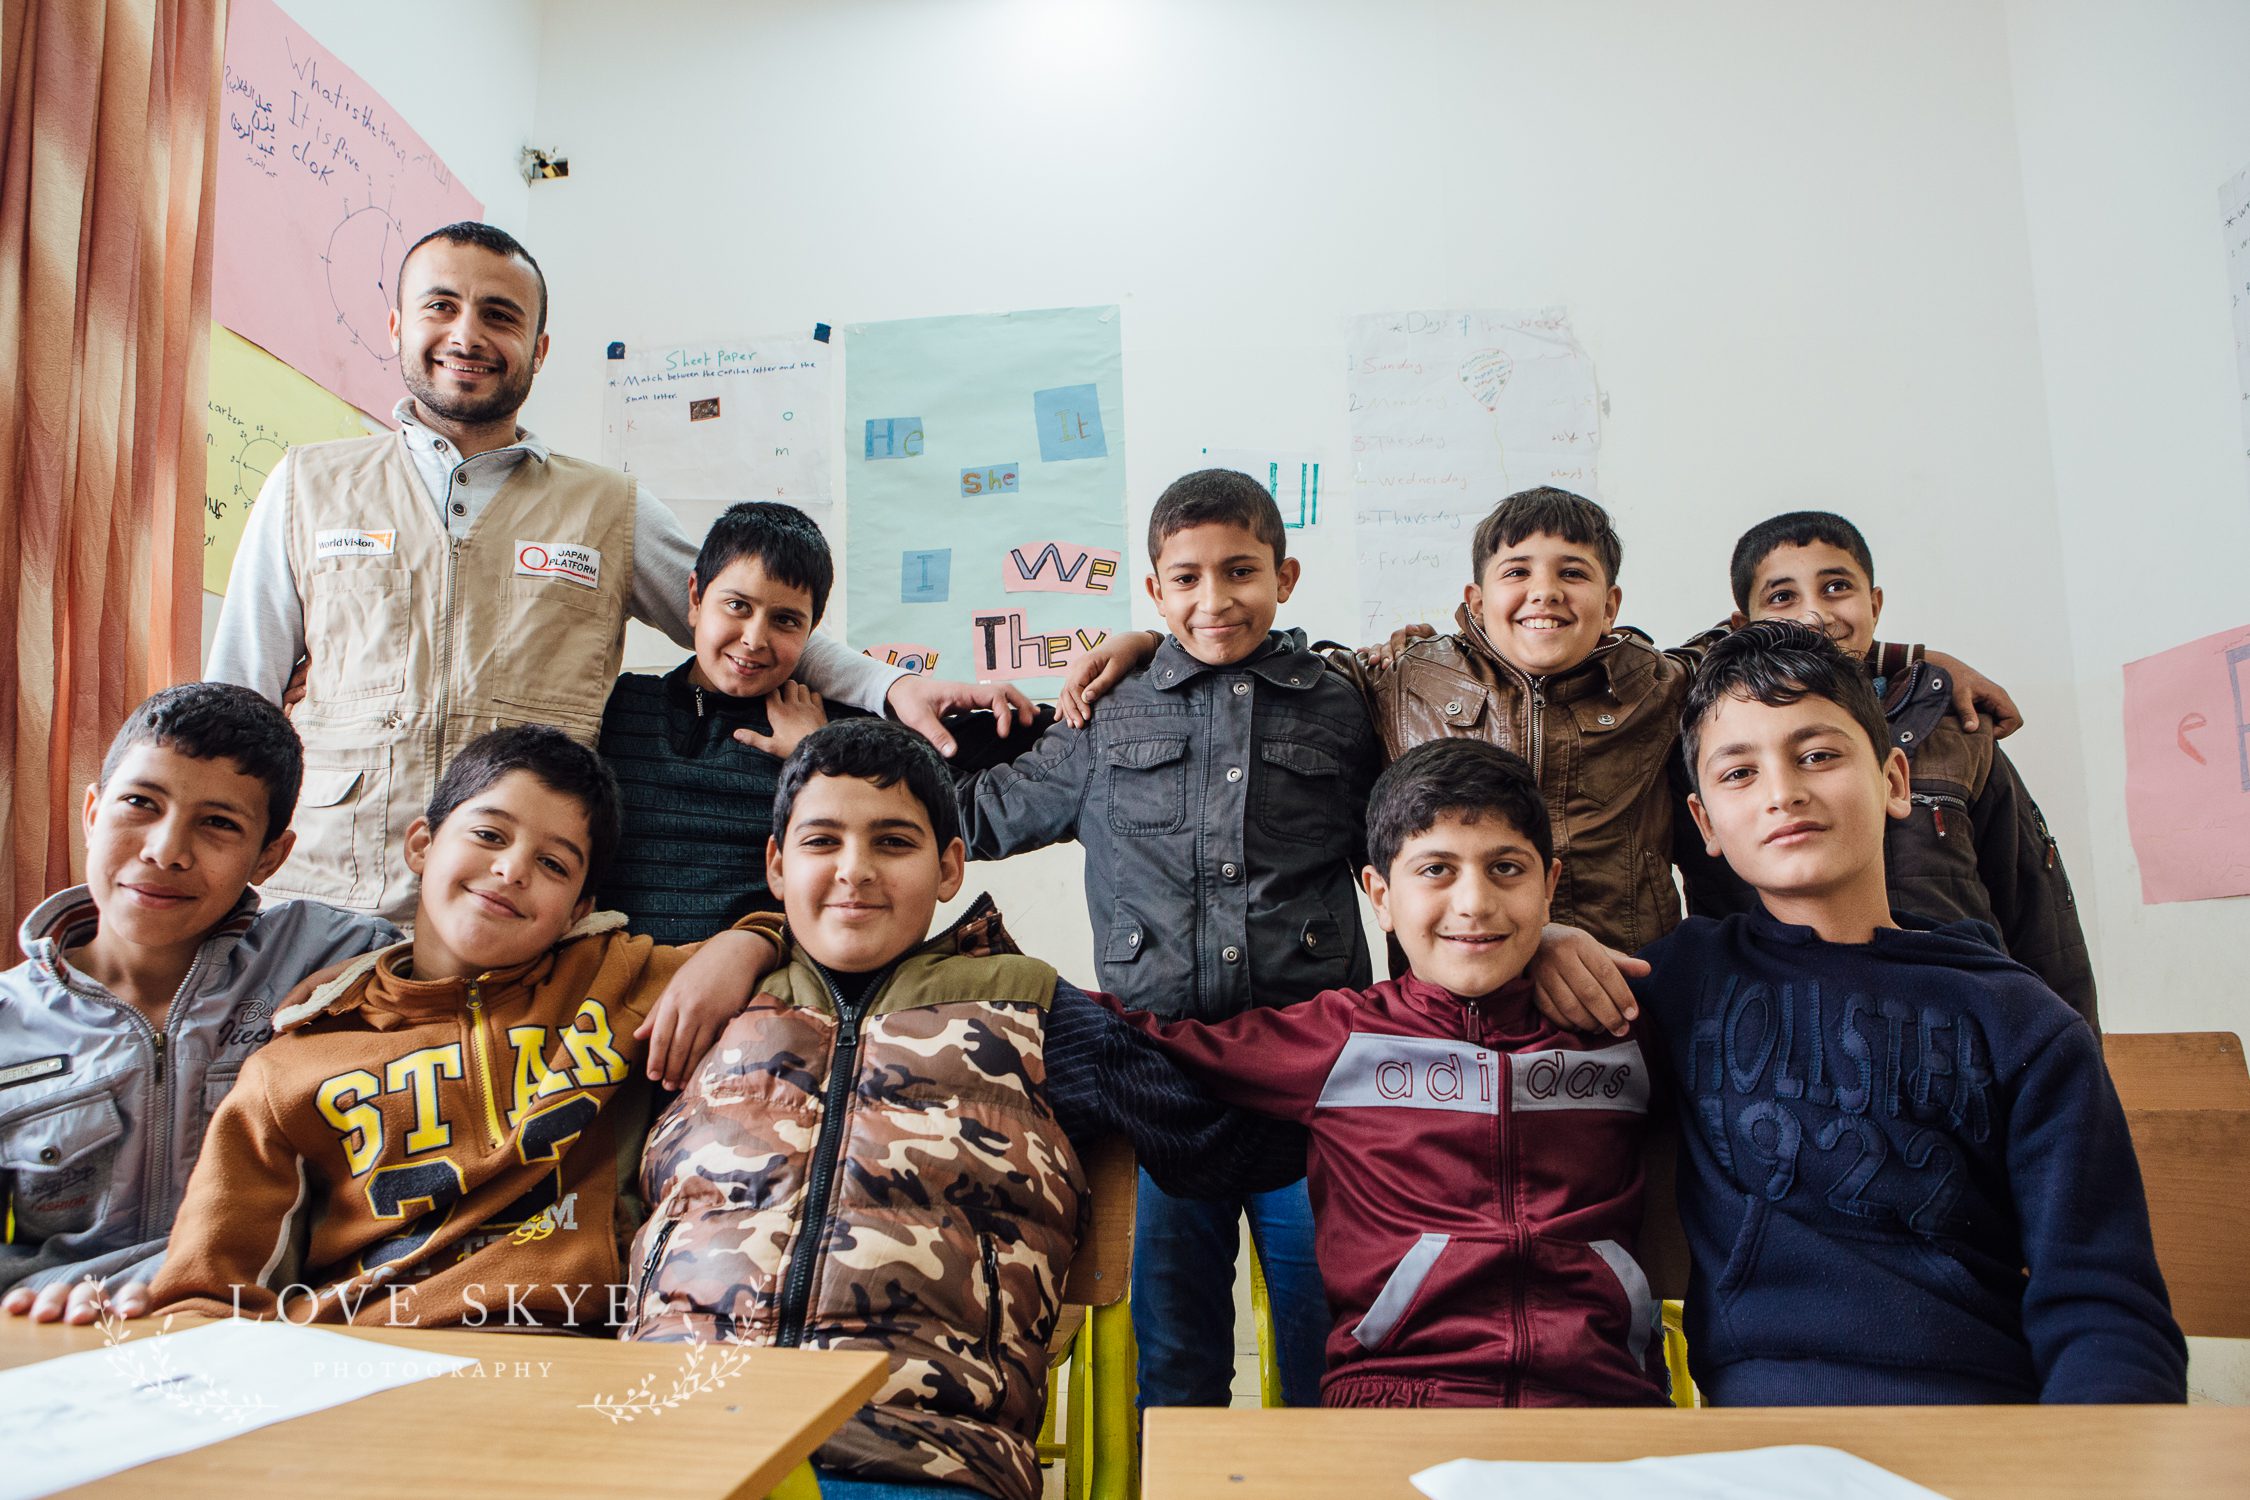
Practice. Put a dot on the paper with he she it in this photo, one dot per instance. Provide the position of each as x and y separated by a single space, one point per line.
69 1420
1795 1472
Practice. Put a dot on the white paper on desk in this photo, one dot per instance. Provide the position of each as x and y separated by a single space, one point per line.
1796 1472
69 1420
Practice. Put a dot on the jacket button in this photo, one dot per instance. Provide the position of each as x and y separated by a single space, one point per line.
1454 707
1231 954
1605 720
1296 682
1240 688
1234 773
1230 869
1906 736
1312 939
50 1155
1133 941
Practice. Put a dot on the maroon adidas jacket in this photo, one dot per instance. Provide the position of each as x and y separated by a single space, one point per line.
1476 1190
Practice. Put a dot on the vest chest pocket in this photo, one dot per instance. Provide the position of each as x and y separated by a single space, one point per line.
1148 785
60 1166
356 623
560 650
342 821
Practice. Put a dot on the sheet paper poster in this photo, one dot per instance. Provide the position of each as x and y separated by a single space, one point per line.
259 408
985 491
741 419
322 186
1451 412
2234 217
66 1421
1792 1472
2187 768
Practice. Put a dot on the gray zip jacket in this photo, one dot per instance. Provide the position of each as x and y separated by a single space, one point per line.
101 1115
1223 811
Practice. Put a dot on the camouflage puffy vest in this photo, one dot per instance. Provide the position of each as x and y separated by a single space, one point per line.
893 1179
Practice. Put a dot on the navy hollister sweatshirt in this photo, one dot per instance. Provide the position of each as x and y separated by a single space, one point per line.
1904 1175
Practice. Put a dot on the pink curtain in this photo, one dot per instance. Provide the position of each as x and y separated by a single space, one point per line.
110 110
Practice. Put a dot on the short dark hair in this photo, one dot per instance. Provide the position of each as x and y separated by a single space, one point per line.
211 720
871 750
1217 497
559 763
1799 528
486 237
1778 662
782 538
1574 518
1466 777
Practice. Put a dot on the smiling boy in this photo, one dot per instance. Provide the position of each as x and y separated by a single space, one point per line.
146 990
1905 1177
1475 1170
882 1152
1974 845
1219 797
434 1136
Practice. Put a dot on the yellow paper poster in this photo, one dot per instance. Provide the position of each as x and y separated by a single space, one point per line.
259 406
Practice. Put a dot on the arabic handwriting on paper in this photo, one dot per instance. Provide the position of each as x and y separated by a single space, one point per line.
1451 412
259 409
322 187
1032 547
723 420
2187 768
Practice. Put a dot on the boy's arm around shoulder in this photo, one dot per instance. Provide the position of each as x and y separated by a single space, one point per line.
1106 1073
686 995
1030 802
2095 1310
2022 871
247 1216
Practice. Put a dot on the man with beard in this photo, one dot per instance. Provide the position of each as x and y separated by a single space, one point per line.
457 576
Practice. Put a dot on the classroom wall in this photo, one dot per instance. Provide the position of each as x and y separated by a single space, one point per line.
1792 238
2128 120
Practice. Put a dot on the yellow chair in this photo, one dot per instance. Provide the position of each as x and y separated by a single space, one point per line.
1261 1317
798 1484
1100 1447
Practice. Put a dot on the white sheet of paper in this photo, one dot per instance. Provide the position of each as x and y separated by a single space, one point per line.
1450 411
69 1420
1796 1472
725 420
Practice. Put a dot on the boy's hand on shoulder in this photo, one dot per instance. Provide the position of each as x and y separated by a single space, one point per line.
708 991
77 1303
1384 656
1972 690
1580 984
794 711
920 703
1101 669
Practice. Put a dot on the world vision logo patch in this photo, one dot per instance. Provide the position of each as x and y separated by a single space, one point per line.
580 565
350 542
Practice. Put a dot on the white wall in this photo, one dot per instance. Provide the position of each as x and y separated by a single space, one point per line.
1791 236
463 75
2129 118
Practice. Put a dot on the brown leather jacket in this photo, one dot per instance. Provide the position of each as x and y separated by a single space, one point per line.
1600 737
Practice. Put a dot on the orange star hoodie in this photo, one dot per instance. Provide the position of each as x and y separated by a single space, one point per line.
422 1153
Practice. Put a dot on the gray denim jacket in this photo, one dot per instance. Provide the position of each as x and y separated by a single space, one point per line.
1223 811
101 1116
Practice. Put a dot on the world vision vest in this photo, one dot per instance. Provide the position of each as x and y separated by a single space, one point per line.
419 643
887 1176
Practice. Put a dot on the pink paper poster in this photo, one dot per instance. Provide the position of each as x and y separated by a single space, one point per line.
322 186
1004 646
1058 568
2187 768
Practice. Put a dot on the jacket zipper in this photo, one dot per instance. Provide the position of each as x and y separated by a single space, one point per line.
1938 802
843 1069
648 1274
1502 1124
991 1256
478 1055
1538 726
445 657
156 1194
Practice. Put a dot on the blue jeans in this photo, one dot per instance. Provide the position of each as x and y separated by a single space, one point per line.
1183 1294
837 1487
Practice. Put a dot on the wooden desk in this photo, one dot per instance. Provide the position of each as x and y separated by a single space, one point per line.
1966 1453
519 1430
